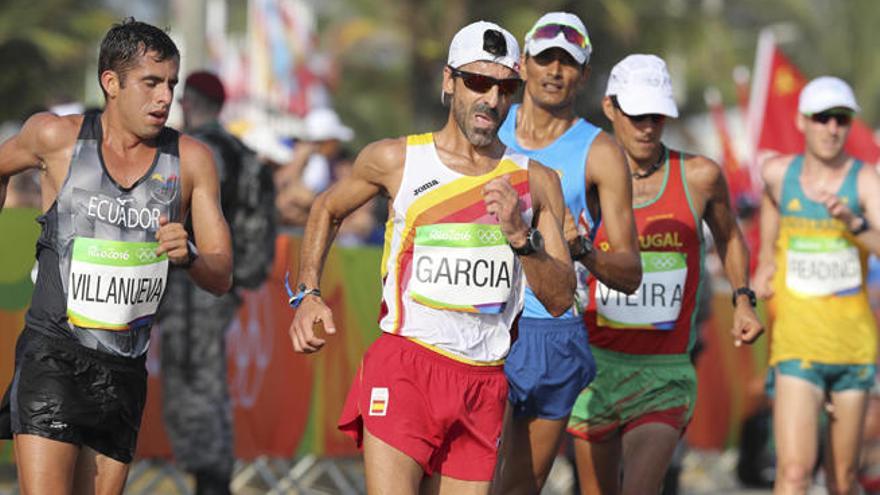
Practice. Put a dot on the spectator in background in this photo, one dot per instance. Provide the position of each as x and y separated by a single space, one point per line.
193 322
309 170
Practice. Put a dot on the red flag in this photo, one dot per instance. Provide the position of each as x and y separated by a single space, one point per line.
773 108
737 177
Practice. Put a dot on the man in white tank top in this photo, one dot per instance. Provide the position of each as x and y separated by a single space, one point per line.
469 218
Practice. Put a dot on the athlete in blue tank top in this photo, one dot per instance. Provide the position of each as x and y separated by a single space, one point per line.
550 362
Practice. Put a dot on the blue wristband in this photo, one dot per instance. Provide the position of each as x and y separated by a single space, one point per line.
296 298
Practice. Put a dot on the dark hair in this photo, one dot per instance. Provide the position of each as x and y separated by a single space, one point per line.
494 43
127 41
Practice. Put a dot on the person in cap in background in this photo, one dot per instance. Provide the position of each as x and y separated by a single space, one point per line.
193 322
468 218
817 228
309 170
550 362
633 414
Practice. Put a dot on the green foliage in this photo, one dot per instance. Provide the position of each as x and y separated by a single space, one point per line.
702 40
44 47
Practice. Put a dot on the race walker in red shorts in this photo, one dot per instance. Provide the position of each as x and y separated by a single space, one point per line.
468 219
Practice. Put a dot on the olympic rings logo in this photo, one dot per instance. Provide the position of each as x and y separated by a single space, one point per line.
663 263
146 254
489 236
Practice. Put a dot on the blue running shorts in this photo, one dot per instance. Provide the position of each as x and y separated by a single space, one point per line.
548 366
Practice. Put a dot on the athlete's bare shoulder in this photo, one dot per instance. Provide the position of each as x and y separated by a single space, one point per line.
384 153
773 168
542 174
869 180
605 158
45 140
603 146
193 153
381 162
46 133
701 172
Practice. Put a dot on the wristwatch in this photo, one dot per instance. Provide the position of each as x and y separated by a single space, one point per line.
863 226
580 247
192 254
534 243
748 292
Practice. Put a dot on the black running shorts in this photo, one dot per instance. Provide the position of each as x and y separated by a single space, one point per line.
66 392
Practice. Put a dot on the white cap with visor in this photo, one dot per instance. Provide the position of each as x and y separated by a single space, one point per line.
825 93
560 30
642 86
484 41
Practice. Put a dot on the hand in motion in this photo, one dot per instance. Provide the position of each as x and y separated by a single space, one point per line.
840 210
502 201
172 239
746 325
763 279
312 314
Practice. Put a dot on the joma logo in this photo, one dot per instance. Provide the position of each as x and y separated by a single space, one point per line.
424 187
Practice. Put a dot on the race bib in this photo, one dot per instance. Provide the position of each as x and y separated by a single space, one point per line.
821 266
461 267
114 285
656 304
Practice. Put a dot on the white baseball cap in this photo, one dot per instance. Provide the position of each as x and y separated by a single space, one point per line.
322 124
537 44
824 93
642 86
470 43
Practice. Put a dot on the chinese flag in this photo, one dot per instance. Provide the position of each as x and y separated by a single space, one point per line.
776 120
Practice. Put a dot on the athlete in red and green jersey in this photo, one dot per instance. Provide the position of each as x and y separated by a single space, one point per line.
643 396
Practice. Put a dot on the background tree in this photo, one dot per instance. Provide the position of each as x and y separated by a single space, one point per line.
44 46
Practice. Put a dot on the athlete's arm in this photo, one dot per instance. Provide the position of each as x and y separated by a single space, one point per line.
869 199
549 272
374 170
772 173
212 270
620 267
42 136
708 181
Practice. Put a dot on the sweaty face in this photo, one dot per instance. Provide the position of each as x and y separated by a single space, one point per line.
639 135
479 114
553 77
826 139
145 94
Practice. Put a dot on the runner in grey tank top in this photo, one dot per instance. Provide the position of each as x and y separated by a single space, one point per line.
99 280
116 188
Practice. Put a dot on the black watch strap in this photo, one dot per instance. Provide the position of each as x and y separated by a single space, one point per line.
580 247
192 254
748 292
863 226
534 243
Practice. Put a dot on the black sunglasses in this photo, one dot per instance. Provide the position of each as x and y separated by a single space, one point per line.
638 119
482 83
843 119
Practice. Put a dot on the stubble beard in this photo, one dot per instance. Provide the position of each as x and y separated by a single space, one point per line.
479 138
